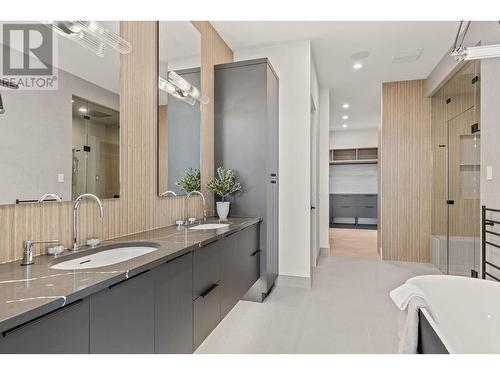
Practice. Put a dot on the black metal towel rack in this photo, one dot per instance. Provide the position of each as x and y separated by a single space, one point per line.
485 224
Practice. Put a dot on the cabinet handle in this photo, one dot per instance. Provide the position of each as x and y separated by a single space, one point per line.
22 325
130 278
257 252
369 206
209 290
273 181
345 206
273 174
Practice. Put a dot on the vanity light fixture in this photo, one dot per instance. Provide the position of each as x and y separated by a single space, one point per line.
180 88
344 125
91 35
357 66
345 117
345 105
169 88
187 87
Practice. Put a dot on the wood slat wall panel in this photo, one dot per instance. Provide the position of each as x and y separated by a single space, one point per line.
214 51
139 208
405 171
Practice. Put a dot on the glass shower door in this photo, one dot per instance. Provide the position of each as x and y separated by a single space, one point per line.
463 195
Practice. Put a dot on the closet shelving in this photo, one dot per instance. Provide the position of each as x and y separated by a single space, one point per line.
366 155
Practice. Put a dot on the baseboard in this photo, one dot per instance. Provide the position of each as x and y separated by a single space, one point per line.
324 251
294 281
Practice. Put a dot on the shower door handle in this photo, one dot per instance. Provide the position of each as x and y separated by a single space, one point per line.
450 201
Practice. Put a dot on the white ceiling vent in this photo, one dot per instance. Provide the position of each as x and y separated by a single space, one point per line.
407 56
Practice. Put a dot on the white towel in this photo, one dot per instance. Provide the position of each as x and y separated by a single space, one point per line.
409 299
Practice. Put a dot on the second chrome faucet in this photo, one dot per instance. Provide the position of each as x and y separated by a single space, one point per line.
202 199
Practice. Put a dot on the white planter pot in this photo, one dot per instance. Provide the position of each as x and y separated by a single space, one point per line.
223 209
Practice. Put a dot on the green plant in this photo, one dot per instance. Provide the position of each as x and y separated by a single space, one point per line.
225 184
190 181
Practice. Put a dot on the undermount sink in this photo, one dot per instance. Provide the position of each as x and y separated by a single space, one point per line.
106 257
210 226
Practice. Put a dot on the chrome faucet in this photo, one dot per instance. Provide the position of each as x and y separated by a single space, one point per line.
203 200
44 197
167 193
75 215
28 250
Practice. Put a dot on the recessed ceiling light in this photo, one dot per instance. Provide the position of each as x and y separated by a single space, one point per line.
345 105
345 117
357 66
82 109
344 125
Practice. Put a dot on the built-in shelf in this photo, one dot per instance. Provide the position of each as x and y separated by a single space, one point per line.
368 155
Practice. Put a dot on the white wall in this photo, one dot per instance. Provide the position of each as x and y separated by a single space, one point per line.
354 138
324 133
292 64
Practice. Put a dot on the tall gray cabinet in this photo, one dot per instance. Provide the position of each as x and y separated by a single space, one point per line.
246 140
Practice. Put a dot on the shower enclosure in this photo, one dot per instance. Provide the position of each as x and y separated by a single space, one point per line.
456 213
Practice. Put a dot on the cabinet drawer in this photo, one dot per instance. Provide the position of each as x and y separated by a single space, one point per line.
206 314
344 211
206 267
367 200
340 200
369 212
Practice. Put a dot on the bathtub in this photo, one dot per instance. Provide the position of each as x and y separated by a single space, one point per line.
463 312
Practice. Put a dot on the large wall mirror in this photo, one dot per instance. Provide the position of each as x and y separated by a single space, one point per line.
63 140
179 98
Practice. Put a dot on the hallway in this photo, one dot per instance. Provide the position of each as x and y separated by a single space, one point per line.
357 243
348 310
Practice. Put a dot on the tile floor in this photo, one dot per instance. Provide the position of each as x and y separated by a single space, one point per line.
347 310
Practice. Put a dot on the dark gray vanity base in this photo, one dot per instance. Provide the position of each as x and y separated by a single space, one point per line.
163 302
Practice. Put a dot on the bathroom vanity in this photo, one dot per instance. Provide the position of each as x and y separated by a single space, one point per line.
165 301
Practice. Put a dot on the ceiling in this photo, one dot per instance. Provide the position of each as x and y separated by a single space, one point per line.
334 42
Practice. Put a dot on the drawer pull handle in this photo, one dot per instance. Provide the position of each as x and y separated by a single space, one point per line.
345 206
369 206
209 290
257 252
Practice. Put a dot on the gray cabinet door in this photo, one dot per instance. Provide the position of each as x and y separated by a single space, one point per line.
64 331
272 139
206 289
206 267
240 266
122 317
174 306
206 312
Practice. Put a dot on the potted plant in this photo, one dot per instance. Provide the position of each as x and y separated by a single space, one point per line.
225 184
190 181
